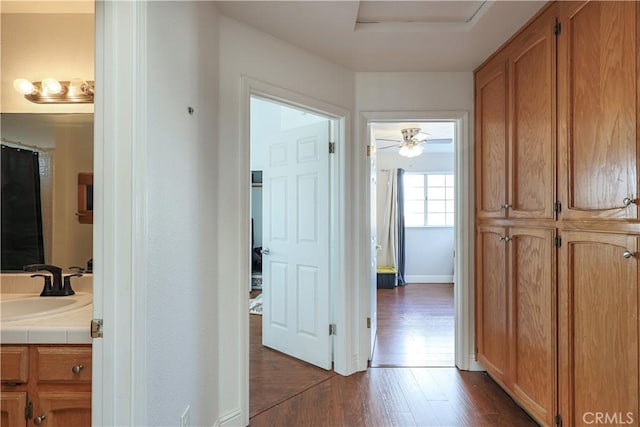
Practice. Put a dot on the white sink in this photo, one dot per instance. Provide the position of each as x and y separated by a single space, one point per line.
27 306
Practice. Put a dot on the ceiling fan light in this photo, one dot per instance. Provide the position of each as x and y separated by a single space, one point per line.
410 150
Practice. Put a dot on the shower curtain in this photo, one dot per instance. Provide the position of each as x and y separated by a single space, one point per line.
21 218
392 236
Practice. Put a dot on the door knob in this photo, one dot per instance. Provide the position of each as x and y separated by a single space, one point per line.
628 254
265 251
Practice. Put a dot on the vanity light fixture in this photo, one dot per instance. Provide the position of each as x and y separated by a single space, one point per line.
52 91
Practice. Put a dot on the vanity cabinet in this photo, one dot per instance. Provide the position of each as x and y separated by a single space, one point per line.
48 385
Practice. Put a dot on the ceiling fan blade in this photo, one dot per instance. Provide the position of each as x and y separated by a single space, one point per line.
386 139
388 147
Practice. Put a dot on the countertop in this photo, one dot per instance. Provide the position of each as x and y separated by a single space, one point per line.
70 327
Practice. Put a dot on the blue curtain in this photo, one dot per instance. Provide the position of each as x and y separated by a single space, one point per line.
401 239
22 241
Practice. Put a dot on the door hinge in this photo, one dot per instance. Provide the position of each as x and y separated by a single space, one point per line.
368 322
558 420
332 147
558 241
332 329
368 151
557 207
96 328
28 410
557 28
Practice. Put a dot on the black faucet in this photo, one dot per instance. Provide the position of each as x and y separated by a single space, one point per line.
57 289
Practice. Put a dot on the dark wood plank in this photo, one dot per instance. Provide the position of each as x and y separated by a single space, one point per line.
415 326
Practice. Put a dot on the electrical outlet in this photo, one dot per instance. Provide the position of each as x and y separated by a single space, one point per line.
184 418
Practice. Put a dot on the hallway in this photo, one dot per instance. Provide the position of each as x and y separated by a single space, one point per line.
286 392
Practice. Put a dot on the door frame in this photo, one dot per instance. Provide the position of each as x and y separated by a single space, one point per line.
340 298
463 230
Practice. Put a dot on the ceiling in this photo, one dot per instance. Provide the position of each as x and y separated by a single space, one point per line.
389 35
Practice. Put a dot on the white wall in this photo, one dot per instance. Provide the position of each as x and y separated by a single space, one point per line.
182 340
245 51
428 250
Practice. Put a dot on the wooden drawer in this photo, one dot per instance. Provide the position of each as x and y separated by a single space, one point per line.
14 366
64 364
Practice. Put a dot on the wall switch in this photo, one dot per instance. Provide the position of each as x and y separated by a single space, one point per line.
184 418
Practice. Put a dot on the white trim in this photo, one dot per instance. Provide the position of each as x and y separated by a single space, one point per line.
120 145
463 263
231 419
340 297
417 278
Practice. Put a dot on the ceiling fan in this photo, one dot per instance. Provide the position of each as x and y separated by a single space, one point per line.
411 142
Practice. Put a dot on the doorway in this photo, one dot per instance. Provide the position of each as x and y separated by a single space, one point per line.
290 252
415 225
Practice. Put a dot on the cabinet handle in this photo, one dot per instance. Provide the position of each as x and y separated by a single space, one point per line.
627 201
76 369
504 239
628 254
39 420
505 206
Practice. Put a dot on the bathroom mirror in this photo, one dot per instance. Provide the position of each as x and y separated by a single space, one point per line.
64 143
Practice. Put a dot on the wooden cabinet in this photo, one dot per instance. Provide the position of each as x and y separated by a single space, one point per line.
492 301
12 409
557 308
515 106
599 327
515 312
491 138
597 109
46 385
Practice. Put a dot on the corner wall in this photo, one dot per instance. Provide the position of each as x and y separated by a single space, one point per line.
182 339
245 51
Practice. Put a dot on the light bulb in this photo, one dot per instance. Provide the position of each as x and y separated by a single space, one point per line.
76 86
23 86
51 86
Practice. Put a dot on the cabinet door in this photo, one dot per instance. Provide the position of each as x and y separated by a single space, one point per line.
491 138
492 301
532 112
532 278
599 328
63 409
597 88
12 407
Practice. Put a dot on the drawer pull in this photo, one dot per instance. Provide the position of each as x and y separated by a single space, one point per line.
39 420
76 369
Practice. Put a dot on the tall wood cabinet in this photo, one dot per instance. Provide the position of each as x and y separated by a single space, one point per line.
557 219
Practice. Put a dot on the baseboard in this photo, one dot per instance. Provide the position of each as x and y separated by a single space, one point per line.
429 279
474 365
232 419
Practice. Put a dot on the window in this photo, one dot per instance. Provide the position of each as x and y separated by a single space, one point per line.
428 200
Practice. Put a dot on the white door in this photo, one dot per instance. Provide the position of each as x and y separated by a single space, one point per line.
295 260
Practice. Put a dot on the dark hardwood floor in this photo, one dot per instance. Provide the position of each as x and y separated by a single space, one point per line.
285 392
415 326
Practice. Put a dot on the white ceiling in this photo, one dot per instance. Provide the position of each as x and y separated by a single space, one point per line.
389 35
